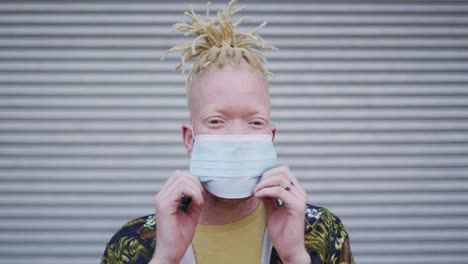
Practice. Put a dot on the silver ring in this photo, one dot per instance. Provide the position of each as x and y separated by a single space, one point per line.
290 184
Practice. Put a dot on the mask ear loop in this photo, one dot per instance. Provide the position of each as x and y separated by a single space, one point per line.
271 131
193 133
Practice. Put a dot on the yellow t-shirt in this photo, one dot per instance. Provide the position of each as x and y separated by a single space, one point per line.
238 242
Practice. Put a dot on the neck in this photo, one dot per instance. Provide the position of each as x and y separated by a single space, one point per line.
218 211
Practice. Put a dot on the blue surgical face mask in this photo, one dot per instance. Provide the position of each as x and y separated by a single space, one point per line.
230 166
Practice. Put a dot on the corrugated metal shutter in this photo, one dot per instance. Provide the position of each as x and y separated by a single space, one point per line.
371 101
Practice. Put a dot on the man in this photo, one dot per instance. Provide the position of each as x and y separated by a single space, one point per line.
230 216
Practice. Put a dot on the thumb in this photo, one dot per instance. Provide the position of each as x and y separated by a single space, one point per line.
270 205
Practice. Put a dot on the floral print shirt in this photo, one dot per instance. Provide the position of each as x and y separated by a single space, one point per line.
326 240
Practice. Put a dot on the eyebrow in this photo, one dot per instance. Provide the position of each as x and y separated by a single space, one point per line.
223 111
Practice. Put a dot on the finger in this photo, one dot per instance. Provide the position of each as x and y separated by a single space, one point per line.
281 179
271 181
194 179
171 181
189 190
276 192
186 199
196 194
196 182
178 179
294 205
271 205
172 193
284 170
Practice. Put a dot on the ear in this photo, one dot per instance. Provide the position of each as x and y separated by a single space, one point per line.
273 132
187 137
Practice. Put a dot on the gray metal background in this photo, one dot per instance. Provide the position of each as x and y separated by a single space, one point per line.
370 98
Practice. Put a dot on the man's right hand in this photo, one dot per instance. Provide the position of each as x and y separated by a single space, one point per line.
175 229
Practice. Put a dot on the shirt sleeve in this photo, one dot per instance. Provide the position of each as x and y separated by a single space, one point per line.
132 244
340 250
124 250
109 256
326 238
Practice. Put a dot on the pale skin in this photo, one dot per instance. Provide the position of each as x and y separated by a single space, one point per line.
231 100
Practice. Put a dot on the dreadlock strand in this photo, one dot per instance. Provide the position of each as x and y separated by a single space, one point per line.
248 35
239 21
246 55
259 55
213 53
237 10
203 59
259 27
237 55
195 43
230 51
210 39
174 49
246 44
222 56
208 4
229 6
183 62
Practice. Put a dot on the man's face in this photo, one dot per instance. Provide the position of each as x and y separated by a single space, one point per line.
231 100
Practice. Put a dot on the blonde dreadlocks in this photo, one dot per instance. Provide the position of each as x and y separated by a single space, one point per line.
221 42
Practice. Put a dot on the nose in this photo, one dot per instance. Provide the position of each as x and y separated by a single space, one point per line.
237 127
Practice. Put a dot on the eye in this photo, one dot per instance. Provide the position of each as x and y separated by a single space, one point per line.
214 122
258 123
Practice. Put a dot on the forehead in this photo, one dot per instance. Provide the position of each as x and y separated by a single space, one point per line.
231 88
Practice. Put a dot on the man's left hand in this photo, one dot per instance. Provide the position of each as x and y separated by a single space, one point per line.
285 224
